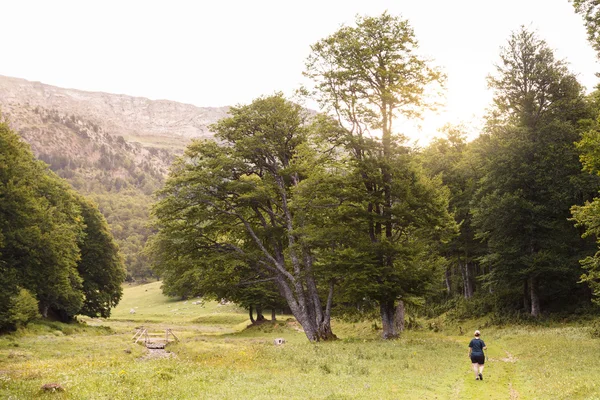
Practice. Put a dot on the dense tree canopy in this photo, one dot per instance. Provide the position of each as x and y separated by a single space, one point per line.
451 158
100 265
43 231
366 76
532 174
230 206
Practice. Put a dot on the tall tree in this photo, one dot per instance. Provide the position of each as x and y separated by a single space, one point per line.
450 158
587 216
366 76
532 174
101 266
237 197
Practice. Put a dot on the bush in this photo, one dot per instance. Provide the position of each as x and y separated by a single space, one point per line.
595 330
24 309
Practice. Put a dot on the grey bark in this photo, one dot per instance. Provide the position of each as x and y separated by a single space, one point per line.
466 277
400 316
259 315
469 281
535 300
388 315
526 294
447 281
250 311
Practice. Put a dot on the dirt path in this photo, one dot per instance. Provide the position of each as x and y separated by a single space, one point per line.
154 354
500 373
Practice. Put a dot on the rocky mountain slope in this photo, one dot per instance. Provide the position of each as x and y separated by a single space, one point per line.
114 148
120 115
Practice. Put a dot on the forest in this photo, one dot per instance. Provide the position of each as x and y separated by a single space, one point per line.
58 258
332 214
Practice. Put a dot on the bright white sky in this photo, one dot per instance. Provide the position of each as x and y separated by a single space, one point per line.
220 52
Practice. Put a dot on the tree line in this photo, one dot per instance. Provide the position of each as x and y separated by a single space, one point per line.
335 213
57 256
336 209
119 176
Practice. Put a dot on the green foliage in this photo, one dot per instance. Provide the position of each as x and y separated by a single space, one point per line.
532 175
100 266
226 220
451 159
127 213
587 216
366 76
371 73
41 231
590 11
25 308
40 225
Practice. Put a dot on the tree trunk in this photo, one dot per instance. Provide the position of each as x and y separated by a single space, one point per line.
464 271
273 314
259 315
251 316
300 307
400 316
325 331
469 281
526 302
388 322
447 281
535 300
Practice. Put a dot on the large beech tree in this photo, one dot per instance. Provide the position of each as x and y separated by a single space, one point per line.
366 76
236 197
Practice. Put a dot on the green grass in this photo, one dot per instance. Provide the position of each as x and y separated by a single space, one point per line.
217 358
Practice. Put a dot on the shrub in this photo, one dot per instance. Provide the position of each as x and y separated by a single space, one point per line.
25 308
595 330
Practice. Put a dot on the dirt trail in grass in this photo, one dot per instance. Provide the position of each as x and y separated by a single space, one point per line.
500 375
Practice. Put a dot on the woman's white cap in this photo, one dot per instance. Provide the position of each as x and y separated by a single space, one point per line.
477 333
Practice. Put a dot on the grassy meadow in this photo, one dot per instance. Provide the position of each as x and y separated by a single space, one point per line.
219 357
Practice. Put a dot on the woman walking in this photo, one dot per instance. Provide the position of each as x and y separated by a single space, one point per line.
476 348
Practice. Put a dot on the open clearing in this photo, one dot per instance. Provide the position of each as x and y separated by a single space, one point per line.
218 358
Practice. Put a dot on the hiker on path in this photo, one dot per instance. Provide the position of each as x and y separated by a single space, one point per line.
476 348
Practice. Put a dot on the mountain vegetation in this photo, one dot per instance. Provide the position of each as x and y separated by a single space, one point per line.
56 252
113 149
324 215
514 185
343 218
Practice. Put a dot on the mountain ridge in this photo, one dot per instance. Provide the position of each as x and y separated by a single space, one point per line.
115 149
122 115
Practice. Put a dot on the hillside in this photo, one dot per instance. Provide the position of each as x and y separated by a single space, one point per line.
114 148
153 123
